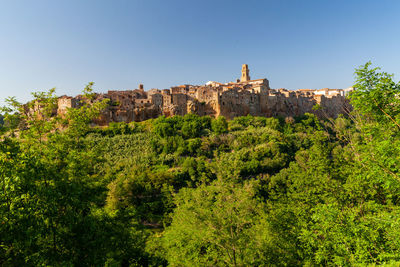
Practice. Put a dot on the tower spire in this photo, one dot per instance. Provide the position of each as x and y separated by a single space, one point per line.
245 73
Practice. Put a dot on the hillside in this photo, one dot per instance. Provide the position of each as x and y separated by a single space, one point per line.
198 191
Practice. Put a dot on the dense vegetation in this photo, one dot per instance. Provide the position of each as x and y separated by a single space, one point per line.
197 191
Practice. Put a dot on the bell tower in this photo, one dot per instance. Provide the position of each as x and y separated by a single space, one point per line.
245 73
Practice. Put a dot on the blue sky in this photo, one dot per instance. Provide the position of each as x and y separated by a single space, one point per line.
119 43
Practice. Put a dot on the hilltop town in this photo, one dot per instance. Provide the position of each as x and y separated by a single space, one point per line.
231 99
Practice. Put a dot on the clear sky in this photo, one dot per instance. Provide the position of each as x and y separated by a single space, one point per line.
120 43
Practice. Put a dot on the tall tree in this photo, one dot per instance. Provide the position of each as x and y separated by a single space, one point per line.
218 224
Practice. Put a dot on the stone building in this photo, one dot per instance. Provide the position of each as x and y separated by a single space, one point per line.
231 99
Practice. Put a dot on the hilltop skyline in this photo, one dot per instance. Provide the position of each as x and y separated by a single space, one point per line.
160 44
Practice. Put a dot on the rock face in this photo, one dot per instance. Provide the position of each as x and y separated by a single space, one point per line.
230 100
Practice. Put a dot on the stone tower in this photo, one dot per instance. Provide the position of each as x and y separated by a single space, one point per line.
245 73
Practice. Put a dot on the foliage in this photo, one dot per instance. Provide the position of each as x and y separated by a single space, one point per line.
219 125
217 225
11 113
377 95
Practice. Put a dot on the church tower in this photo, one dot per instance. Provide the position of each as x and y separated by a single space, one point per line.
245 73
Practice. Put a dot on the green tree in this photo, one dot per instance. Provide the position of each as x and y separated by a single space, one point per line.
376 95
11 113
219 125
217 225
163 129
